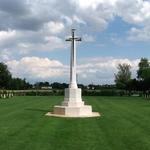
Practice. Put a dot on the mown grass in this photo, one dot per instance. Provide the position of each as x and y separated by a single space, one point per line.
124 125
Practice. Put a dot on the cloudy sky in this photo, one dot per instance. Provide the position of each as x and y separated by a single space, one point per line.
33 32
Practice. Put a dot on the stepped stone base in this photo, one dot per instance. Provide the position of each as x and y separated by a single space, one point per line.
73 106
94 114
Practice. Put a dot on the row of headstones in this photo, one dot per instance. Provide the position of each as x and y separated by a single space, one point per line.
6 95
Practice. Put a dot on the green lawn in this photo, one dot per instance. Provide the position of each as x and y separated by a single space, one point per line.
124 125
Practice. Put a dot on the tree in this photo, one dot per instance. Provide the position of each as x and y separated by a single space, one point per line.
19 84
143 74
5 76
123 76
57 85
144 69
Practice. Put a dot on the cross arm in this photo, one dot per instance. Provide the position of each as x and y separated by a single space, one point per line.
74 39
69 39
78 39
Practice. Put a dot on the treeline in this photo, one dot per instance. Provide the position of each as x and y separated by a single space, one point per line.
140 83
7 82
57 85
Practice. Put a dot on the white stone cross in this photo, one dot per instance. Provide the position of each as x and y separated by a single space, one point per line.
73 39
73 106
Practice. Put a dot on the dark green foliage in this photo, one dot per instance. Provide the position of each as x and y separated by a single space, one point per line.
5 76
57 85
133 85
38 85
7 82
144 69
38 92
143 74
123 76
106 92
19 84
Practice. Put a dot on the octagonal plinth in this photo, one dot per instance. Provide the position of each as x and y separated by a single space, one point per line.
65 111
73 111
73 106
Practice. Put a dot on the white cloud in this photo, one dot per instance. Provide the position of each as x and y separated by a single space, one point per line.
89 3
78 20
54 27
49 21
42 25
6 35
134 11
67 20
101 12
96 70
78 11
26 42
35 68
136 34
5 55
88 38
52 43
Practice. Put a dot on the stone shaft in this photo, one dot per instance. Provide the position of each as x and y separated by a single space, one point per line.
73 75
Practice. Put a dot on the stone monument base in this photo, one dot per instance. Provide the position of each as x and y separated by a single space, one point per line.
94 114
73 106
65 111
